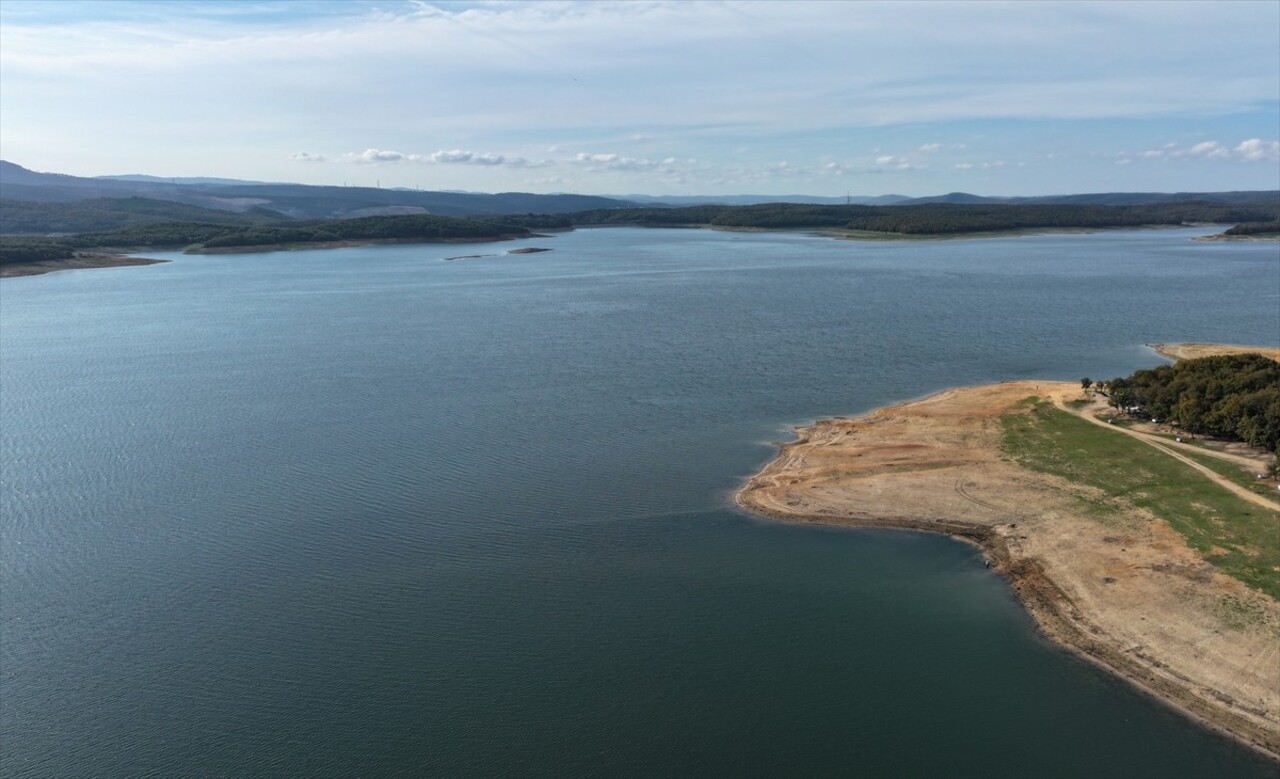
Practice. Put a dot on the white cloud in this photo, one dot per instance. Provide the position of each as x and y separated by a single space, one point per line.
458 156
613 161
373 156
964 166
1251 150
1208 149
1258 150
930 148
521 162
303 156
445 157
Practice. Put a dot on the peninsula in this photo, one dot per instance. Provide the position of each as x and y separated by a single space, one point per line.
76 260
1100 528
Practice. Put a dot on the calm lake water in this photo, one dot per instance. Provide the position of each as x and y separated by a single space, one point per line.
366 512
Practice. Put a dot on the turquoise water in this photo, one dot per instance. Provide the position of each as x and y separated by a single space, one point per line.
367 512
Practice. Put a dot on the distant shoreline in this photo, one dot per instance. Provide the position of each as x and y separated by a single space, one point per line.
120 259
1264 237
113 258
344 244
936 465
79 262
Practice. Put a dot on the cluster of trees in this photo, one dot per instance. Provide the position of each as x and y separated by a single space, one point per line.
1255 228
1235 397
936 218
649 217
19 250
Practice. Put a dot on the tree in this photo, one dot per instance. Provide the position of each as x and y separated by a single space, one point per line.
1086 383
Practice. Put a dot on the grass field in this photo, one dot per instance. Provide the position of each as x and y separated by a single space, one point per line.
1240 538
1244 477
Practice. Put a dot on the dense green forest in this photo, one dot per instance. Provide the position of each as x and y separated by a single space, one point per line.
1236 397
1255 228
934 218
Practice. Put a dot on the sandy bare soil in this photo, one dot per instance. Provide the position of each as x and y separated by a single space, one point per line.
1193 350
1128 594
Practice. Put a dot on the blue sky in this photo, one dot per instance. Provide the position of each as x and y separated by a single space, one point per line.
664 98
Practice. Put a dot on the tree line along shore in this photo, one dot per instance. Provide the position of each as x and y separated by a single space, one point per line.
1144 549
104 226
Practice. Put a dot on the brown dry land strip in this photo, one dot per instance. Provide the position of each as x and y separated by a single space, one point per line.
1191 351
1104 577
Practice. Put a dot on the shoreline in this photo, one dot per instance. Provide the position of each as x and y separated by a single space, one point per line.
805 483
267 248
83 261
1192 350
111 258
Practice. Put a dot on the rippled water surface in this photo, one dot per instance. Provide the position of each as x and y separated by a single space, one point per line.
367 512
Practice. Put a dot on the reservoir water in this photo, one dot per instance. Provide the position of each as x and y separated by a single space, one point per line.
366 512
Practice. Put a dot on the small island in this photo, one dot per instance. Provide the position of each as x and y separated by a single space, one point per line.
1145 552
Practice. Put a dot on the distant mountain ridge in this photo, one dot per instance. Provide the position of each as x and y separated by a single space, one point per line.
35 202
1100 198
754 200
211 181
299 201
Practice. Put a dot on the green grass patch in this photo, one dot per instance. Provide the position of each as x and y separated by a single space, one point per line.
1241 539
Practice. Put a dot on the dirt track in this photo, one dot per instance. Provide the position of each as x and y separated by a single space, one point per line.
1168 447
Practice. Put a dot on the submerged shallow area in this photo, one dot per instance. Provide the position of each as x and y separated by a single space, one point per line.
367 511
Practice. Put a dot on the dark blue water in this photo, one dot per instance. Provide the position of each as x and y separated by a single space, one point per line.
366 512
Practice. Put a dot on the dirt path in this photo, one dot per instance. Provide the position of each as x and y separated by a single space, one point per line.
1166 447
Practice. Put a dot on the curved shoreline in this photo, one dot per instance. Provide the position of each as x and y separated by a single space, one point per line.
831 475
1193 350
79 262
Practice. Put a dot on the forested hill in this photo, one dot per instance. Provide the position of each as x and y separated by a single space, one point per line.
23 217
939 218
297 201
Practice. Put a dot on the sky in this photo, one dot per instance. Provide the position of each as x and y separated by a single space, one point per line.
651 97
